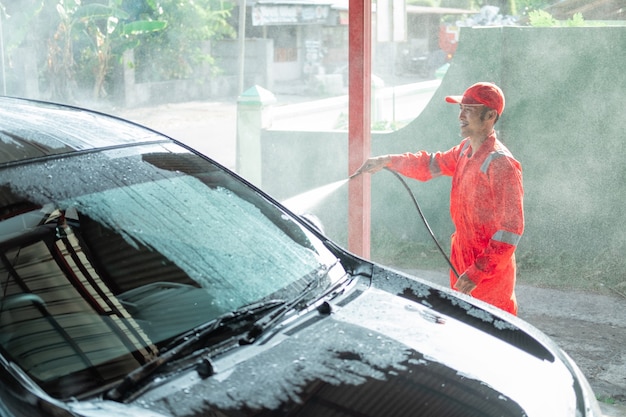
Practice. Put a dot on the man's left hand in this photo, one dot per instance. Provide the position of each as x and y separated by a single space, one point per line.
464 284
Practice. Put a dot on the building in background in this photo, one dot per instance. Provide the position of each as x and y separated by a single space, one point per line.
310 38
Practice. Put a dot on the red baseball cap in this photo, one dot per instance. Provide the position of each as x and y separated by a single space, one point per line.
487 94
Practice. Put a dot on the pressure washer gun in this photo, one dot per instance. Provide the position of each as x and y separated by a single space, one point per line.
372 165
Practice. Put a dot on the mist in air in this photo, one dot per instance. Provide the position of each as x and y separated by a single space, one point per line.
564 88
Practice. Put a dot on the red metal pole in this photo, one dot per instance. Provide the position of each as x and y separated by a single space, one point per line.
359 119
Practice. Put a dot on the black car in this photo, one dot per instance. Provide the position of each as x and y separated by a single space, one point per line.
141 278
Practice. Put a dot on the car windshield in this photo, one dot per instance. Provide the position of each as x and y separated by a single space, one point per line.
107 256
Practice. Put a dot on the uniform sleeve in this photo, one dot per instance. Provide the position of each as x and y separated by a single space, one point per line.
505 179
424 166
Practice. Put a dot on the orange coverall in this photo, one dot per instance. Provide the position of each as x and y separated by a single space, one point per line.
486 206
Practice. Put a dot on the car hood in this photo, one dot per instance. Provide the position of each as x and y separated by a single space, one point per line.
381 352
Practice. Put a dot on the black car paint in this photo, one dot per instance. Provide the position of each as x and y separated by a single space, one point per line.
351 379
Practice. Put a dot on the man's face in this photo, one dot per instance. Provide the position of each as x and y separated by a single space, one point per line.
473 120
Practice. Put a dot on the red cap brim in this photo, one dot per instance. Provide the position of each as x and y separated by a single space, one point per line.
454 99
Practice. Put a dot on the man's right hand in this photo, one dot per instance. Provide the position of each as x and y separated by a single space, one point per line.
373 165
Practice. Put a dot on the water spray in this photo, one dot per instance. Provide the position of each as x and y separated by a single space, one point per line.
309 199
305 201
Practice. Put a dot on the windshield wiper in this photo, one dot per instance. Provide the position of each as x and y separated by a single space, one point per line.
185 343
268 321
243 313
189 341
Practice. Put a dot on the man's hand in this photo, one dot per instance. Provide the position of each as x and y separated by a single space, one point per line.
372 165
464 284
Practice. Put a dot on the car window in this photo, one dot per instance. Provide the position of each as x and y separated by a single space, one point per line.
107 256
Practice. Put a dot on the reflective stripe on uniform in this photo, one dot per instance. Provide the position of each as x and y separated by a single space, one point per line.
493 155
506 237
464 149
433 166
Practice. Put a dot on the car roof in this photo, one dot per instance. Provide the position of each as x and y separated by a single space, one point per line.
32 129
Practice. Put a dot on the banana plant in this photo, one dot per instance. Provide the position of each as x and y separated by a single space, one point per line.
104 31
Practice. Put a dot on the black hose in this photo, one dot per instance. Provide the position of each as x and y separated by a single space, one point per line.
419 210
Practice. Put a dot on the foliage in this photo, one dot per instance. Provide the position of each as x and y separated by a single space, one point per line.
540 18
87 39
79 43
24 14
606 399
576 21
174 53
60 58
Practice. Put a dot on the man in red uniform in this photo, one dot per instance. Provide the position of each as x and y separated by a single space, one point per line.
486 199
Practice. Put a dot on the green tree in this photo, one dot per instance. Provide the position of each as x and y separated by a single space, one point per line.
88 37
540 18
79 43
60 57
112 31
175 52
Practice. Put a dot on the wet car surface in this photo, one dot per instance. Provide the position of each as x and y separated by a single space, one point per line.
141 278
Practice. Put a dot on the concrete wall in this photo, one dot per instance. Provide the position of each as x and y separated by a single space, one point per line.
204 85
563 120
259 60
